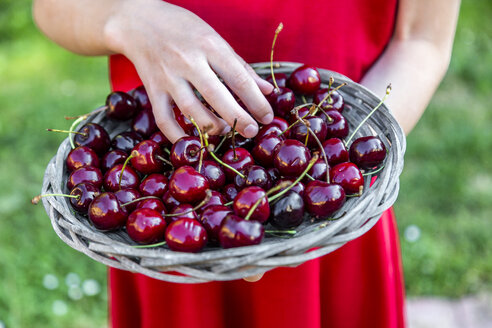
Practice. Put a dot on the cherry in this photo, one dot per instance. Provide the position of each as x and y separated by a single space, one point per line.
125 141
141 97
128 195
268 130
288 211
367 152
255 175
216 199
282 101
86 193
214 174
129 178
186 235
317 125
291 157
186 151
81 156
236 232
282 124
94 136
111 158
239 142
144 123
246 198
302 112
318 171
230 192
280 78
212 218
146 157
185 123
322 199
121 106
304 80
154 185
85 174
182 211
335 101
298 188
154 204
187 185
348 176
335 150
274 174
336 124
146 226
161 139
238 159
264 150
106 213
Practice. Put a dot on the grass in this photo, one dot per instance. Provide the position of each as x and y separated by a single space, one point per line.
443 211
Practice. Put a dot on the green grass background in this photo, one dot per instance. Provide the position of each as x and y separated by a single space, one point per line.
446 187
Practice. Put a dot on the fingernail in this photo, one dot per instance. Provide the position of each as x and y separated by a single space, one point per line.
267 119
250 131
226 130
265 86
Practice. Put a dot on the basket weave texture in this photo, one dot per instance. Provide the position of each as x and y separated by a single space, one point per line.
313 239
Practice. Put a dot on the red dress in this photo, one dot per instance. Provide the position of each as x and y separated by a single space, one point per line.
360 284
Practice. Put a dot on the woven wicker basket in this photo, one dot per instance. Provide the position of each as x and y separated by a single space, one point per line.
314 239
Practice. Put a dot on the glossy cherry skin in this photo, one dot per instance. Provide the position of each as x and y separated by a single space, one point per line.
318 170
298 188
336 124
239 142
302 112
154 204
264 150
112 158
304 80
291 158
154 185
236 232
317 125
161 139
348 176
93 136
86 192
212 217
129 178
242 160
146 226
216 198
85 174
214 174
144 123
282 124
121 106
105 212
186 235
146 159
187 126
335 151
169 201
282 101
269 129
335 101
255 175
141 97
322 199
230 192
186 151
128 195
245 200
280 78
367 152
81 156
187 185
182 211
288 211
274 174
125 141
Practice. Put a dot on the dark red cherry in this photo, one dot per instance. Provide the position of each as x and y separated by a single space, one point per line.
129 178
240 162
161 139
336 124
144 123
154 204
318 170
255 175
187 185
214 174
81 156
264 150
128 195
105 212
335 150
282 101
216 198
282 124
288 211
186 235
269 129
298 188
154 185
146 158
169 201
141 97
335 101
245 200
212 218
186 151
274 174
187 126
86 192
85 174
239 142
112 158
230 192
317 125
182 211
94 136
146 226
236 232
291 158
280 78
304 80
367 152
121 106
125 141
348 176
303 112
322 199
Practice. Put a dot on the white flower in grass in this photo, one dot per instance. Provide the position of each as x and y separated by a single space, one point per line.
412 233
50 281
91 287
75 293
72 279
59 308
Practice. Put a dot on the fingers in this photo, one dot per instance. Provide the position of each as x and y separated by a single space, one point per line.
265 87
254 278
164 116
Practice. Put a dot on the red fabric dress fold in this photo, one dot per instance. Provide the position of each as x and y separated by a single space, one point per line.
358 285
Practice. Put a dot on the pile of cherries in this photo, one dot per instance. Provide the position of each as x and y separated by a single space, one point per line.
220 190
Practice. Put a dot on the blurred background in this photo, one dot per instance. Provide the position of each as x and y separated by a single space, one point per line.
444 209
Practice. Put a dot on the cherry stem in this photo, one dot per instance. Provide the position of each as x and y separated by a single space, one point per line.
310 165
330 83
72 127
281 185
97 110
37 199
388 90
289 232
132 155
277 31
234 138
167 151
304 100
66 131
149 246
202 203
163 160
210 149
275 65
373 172
140 199
328 117
330 91
200 161
310 177
296 109
224 138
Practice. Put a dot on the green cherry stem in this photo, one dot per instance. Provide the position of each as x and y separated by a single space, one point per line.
277 31
132 155
200 161
73 126
288 232
296 110
373 172
36 199
140 199
328 96
162 159
162 243
280 186
202 203
210 149
70 134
